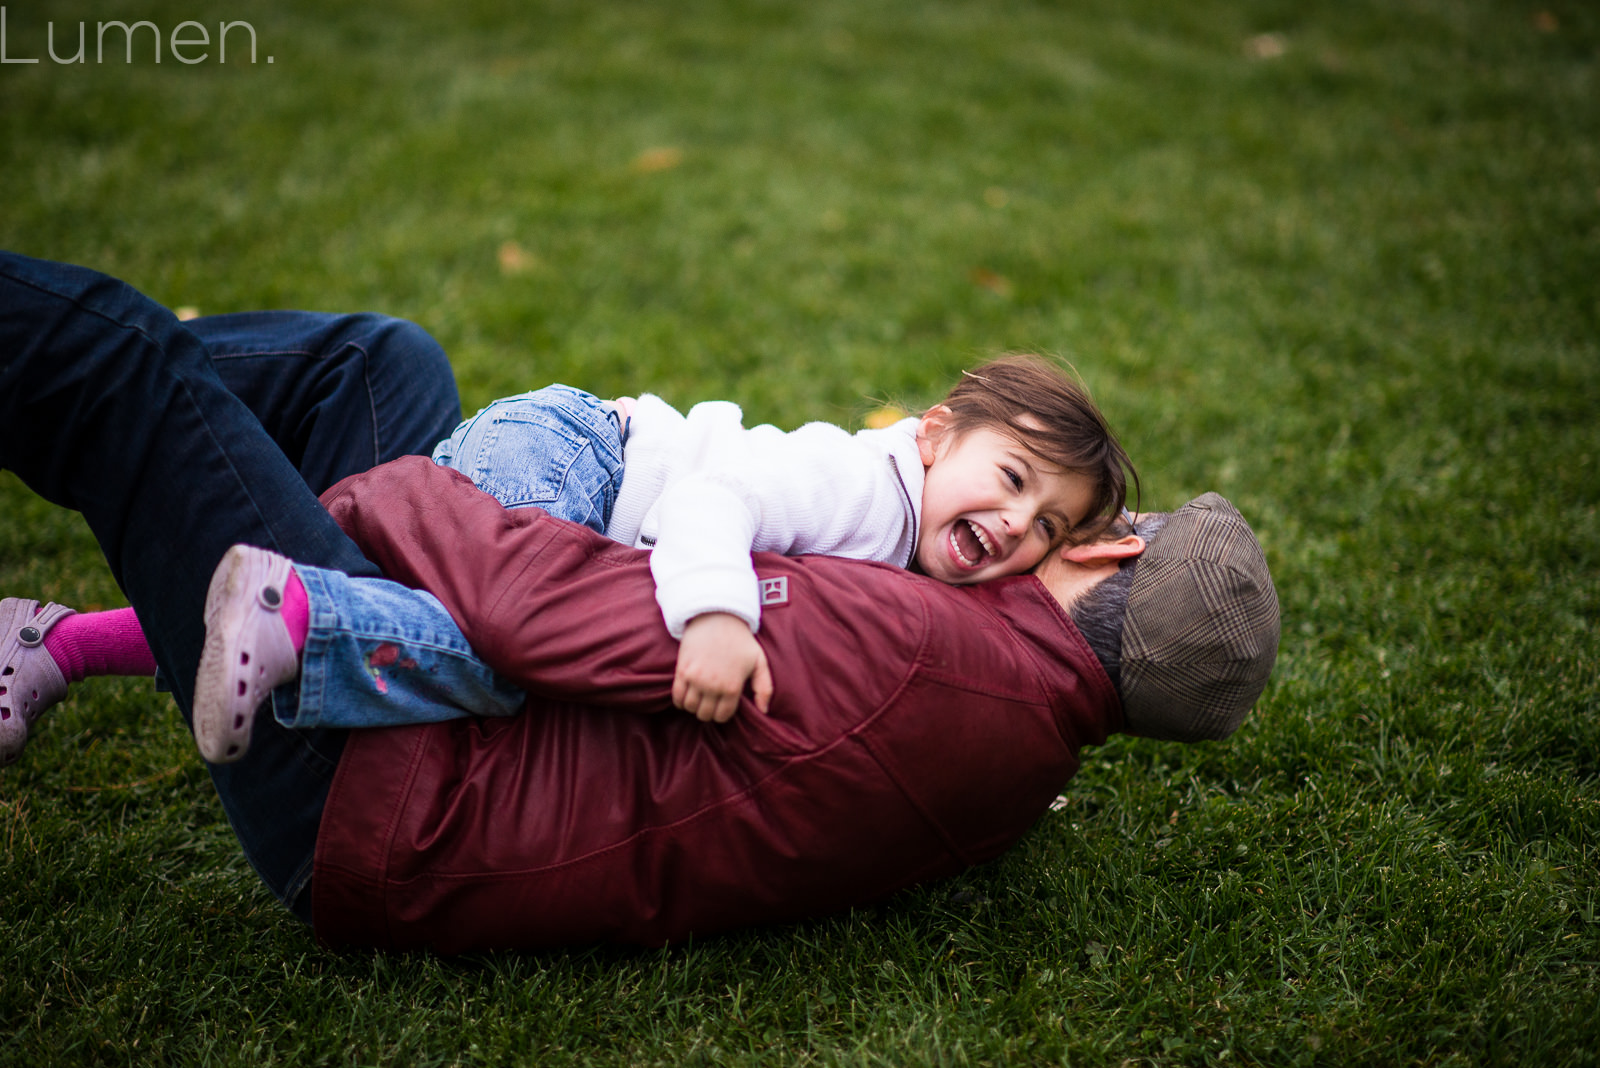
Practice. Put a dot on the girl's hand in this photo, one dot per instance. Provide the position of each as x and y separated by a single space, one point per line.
716 657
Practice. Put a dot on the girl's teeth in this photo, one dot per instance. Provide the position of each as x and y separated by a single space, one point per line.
983 539
984 547
955 543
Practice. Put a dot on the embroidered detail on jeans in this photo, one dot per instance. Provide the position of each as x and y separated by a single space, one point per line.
386 655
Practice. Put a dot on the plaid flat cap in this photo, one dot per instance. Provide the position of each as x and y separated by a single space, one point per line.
1201 629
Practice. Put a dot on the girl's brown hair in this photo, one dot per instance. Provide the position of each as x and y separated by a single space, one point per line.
1032 400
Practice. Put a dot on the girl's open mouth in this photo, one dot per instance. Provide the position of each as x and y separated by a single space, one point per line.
970 542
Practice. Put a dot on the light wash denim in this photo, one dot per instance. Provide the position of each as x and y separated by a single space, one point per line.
556 448
379 654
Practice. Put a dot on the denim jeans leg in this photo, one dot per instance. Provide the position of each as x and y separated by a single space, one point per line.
338 393
380 655
556 448
111 407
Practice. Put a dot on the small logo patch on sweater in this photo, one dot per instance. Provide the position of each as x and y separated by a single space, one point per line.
775 591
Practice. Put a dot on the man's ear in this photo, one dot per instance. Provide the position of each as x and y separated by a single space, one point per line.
1099 553
935 425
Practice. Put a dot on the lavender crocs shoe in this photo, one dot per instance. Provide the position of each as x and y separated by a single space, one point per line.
247 650
30 681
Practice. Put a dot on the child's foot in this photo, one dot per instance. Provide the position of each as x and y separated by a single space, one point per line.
248 649
30 681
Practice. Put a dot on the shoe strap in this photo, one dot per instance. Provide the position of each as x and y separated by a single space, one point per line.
46 617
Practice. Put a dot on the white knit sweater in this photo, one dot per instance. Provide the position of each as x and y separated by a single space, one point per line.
703 492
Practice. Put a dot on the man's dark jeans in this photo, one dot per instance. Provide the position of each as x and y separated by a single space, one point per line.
177 440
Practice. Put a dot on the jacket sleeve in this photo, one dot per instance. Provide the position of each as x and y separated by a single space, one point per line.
558 609
817 490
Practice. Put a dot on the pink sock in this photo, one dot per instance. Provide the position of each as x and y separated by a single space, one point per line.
113 643
100 643
296 611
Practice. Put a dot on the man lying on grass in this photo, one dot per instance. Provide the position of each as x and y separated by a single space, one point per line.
916 728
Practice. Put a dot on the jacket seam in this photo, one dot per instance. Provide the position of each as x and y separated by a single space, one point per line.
918 669
413 766
1111 698
534 552
385 853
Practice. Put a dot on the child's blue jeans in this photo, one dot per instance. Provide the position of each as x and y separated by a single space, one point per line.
379 654
556 448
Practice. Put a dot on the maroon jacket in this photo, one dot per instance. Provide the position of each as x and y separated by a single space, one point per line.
916 729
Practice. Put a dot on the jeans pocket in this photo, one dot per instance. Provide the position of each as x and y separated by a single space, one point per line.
556 448
527 458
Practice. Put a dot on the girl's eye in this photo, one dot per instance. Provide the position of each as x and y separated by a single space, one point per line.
1014 478
1048 526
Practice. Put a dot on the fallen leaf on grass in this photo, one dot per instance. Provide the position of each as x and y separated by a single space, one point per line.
652 160
1546 22
514 259
886 416
1265 46
998 284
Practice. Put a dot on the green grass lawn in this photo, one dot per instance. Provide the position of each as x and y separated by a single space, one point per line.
1348 274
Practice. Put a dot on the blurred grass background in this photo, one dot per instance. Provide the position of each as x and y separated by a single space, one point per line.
1339 261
